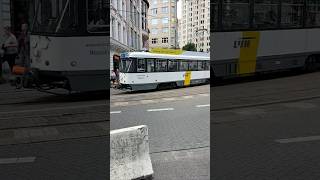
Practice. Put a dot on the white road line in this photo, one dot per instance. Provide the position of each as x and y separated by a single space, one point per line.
115 112
147 101
203 105
298 139
163 109
17 160
169 99
187 97
204 95
121 103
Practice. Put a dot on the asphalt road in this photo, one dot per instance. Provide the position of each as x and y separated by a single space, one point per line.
267 129
44 136
179 129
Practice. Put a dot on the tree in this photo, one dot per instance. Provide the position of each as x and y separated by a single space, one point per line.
189 47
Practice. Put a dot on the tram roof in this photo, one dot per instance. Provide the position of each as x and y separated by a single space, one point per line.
189 56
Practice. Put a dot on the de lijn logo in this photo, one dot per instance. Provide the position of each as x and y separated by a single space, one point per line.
243 42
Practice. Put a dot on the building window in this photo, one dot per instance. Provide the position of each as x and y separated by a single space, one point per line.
164 1
164 10
165 40
165 30
154 21
154 11
154 40
155 2
154 31
165 20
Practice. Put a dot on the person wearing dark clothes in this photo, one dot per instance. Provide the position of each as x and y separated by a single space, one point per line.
10 47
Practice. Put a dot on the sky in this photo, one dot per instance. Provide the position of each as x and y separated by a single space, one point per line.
179 9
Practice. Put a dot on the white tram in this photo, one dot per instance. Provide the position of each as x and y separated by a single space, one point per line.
258 36
146 71
68 45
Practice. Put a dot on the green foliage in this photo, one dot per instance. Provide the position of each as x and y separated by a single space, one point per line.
189 47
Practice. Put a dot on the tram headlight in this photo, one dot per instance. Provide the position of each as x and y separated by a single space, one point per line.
73 63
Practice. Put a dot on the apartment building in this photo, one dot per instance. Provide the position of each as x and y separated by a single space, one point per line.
128 28
194 24
163 24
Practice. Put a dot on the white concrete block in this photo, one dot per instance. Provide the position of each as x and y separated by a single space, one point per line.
129 153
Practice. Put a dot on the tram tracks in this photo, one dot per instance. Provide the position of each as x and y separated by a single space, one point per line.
264 103
51 127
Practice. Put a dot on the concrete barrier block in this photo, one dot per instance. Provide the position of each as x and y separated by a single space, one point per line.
129 154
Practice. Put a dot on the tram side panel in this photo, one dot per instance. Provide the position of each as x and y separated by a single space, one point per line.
239 53
147 81
81 61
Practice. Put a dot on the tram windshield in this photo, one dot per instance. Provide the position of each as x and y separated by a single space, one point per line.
55 16
127 65
68 17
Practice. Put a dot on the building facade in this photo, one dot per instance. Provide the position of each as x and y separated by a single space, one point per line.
163 24
194 25
128 28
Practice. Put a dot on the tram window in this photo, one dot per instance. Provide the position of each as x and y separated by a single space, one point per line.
313 13
292 13
184 65
141 65
128 65
201 65
150 65
161 65
193 65
266 13
97 16
206 65
172 65
235 14
56 16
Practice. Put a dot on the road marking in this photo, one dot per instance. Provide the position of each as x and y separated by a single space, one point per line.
187 97
17 160
298 139
147 101
203 105
164 109
204 95
169 99
115 112
121 103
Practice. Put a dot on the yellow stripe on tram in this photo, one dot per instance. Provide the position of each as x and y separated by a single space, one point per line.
248 52
187 78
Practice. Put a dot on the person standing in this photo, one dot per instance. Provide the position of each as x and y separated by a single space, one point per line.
24 45
10 47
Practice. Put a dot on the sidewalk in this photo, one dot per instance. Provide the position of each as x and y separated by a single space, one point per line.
192 164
